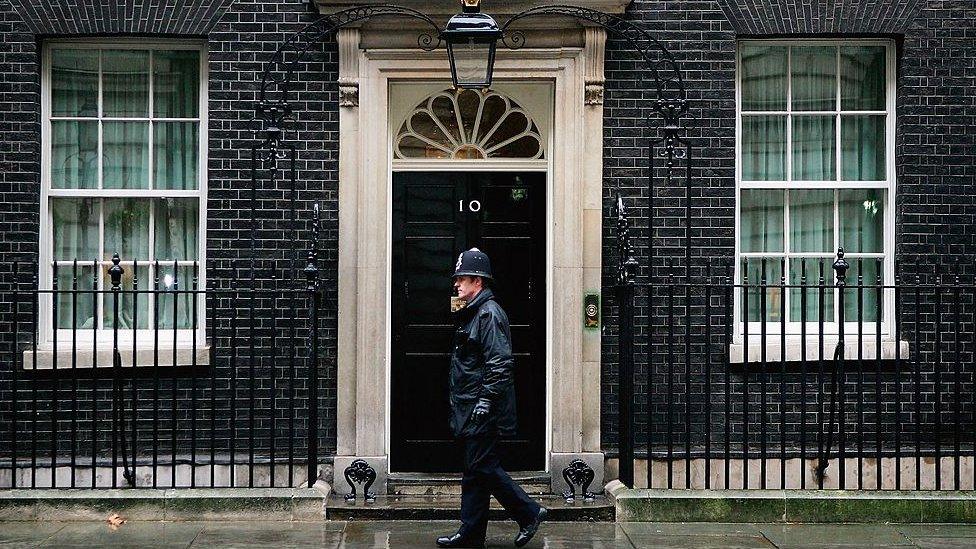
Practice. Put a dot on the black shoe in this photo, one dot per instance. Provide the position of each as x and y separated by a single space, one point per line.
457 540
526 532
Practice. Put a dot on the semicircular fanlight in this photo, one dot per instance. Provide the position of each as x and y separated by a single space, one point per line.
468 124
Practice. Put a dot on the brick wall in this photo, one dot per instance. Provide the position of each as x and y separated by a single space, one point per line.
240 36
935 148
935 156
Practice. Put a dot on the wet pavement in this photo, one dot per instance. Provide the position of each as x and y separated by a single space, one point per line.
410 534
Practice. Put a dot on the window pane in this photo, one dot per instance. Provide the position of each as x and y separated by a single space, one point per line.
80 306
125 77
814 75
862 220
807 272
763 148
812 220
757 308
863 148
862 78
175 155
761 220
126 228
176 228
176 83
75 228
170 281
74 82
126 161
133 309
867 268
813 148
763 78
74 155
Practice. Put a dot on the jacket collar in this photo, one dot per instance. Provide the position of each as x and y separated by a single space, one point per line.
472 307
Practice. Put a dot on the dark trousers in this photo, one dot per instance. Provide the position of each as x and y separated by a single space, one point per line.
483 478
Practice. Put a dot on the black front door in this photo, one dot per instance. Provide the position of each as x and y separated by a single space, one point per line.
437 215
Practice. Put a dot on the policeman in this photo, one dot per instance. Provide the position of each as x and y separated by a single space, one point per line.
483 407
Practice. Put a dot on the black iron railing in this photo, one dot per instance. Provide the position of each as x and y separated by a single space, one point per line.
165 382
821 373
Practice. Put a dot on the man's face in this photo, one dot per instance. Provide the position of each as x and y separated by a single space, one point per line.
467 286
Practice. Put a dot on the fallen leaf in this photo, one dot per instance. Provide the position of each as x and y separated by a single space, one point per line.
115 520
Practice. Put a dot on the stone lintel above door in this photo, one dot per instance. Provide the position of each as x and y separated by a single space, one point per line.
400 32
500 10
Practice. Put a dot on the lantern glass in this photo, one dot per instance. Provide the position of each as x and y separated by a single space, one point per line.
471 60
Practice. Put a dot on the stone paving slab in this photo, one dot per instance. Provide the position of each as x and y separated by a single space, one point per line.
943 543
683 528
939 530
834 535
26 534
133 534
284 535
421 534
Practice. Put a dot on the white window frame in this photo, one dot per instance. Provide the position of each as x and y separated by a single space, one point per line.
128 338
830 329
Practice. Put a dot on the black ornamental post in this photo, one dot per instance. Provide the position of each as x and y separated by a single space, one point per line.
626 273
312 286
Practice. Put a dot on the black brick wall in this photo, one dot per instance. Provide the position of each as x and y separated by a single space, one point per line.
821 17
935 159
702 41
240 38
935 146
62 17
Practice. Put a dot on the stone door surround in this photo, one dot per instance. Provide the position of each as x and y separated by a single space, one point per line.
576 170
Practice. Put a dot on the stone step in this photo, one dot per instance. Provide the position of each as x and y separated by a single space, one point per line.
447 507
425 484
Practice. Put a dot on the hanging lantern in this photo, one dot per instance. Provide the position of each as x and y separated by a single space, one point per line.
471 37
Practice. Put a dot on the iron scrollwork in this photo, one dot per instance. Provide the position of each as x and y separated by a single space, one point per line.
360 472
671 110
280 73
663 67
274 110
578 473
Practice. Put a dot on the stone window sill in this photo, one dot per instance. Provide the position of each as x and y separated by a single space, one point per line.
869 350
83 357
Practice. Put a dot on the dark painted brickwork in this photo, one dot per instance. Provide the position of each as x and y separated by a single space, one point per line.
820 16
19 142
239 45
63 17
935 162
703 43
936 155
240 37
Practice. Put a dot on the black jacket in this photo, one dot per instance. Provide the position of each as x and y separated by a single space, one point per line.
482 367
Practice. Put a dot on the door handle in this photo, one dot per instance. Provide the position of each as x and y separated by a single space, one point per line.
531 290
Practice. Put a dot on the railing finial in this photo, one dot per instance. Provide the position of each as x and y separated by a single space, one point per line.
840 267
116 271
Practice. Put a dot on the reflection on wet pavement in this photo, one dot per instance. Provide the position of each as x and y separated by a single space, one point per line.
411 534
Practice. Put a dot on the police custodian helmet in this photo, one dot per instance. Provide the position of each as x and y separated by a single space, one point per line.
473 262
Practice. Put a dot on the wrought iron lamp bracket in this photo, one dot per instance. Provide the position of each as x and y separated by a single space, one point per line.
274 110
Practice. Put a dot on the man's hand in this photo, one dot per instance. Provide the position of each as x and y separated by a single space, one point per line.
481 410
